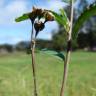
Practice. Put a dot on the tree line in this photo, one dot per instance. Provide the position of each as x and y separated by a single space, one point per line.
86 37
87 34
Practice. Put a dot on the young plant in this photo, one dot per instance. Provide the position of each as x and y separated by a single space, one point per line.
35 16
72 32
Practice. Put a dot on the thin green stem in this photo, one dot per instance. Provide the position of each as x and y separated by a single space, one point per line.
33 61
67 58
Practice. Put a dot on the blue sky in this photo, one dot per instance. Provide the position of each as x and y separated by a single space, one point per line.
12 32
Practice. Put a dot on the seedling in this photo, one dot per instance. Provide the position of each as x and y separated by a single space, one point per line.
72 31
35 16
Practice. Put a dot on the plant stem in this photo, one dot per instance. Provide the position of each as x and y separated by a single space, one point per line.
33 61
67 58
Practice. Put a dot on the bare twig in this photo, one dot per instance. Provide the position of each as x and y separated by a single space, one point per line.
67 58
33 61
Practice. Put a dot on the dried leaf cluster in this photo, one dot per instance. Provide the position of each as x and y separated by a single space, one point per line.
36 17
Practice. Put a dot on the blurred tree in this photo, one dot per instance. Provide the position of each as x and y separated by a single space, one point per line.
22 46
82 40
87 34
59 39
82 5
88 31
9 48
92 39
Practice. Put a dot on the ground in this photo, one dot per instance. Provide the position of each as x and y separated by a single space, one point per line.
16 74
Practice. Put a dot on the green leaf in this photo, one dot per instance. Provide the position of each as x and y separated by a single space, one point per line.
90 11
22 18
54 53
65 19
60 55
62 19
68 1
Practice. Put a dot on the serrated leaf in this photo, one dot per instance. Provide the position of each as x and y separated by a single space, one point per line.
62 19
22 18
90 11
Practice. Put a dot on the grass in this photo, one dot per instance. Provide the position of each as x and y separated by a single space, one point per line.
16 75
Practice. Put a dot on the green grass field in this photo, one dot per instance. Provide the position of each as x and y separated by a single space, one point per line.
16 75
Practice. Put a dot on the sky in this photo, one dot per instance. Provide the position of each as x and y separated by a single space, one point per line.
12 32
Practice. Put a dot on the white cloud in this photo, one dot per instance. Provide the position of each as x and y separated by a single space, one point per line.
15 8
12 10
53 5
1 3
